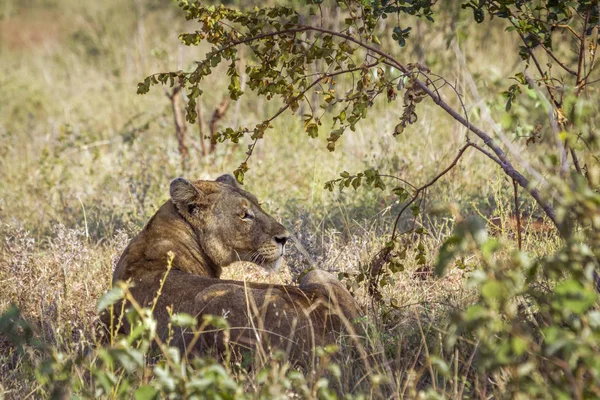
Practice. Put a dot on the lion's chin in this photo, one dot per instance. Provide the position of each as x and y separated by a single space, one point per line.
272 266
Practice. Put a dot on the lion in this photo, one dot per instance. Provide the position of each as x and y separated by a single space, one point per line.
204 227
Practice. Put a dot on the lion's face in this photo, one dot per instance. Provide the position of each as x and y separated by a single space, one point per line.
229 223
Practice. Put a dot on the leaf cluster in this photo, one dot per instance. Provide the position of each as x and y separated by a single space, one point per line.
369 177
285 50
138 365
536 321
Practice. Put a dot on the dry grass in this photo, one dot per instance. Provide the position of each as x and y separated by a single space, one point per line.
85 162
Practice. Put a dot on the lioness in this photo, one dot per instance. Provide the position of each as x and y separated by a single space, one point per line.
208 225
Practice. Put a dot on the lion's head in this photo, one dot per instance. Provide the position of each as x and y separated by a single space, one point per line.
229 223
207 225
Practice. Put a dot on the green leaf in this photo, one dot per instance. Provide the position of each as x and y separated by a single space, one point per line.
215 60
416 210
396 267
378 183
594 318
399 129
129 358
440 365
519 345
402 194
312 130
216 321
572 296
145 392
489 247
494 290
333 137
476 312
111 297
448 252
183 320
165 378
520 77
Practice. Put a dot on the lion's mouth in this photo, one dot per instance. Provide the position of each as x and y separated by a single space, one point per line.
268 263
268 256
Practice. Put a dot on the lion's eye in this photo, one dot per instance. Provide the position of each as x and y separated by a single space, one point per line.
248 215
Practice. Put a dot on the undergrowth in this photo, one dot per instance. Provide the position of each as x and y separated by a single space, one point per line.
85 162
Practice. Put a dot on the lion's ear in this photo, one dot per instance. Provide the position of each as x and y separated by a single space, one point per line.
228 179
183 192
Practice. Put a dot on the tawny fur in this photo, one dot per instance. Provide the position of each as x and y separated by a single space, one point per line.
208 225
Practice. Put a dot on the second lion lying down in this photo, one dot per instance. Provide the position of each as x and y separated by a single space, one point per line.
208 225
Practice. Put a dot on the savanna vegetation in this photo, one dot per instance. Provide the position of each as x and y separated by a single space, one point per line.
441 158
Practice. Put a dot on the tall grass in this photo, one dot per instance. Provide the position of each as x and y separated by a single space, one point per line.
85 162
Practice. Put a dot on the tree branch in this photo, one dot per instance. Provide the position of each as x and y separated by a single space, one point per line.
427 185
487 140
560 63
580 71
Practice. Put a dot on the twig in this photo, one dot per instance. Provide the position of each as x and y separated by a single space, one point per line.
462 388
201 127
180 125
383 256
427 185
400 179
487 153
459 96
428 357
567 27
576 161
218 114
580 82
553 124
506 165
537 64
517 213
593 58
560 63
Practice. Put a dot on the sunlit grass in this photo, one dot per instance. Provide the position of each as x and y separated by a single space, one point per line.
85 162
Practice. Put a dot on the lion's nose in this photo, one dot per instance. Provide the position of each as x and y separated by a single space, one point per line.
282 239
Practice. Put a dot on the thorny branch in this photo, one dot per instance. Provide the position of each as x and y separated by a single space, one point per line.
500 159
383 256
497 154
488 141
419 190
500 156
517 214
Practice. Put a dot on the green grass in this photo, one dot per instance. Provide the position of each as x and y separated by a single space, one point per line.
85 162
